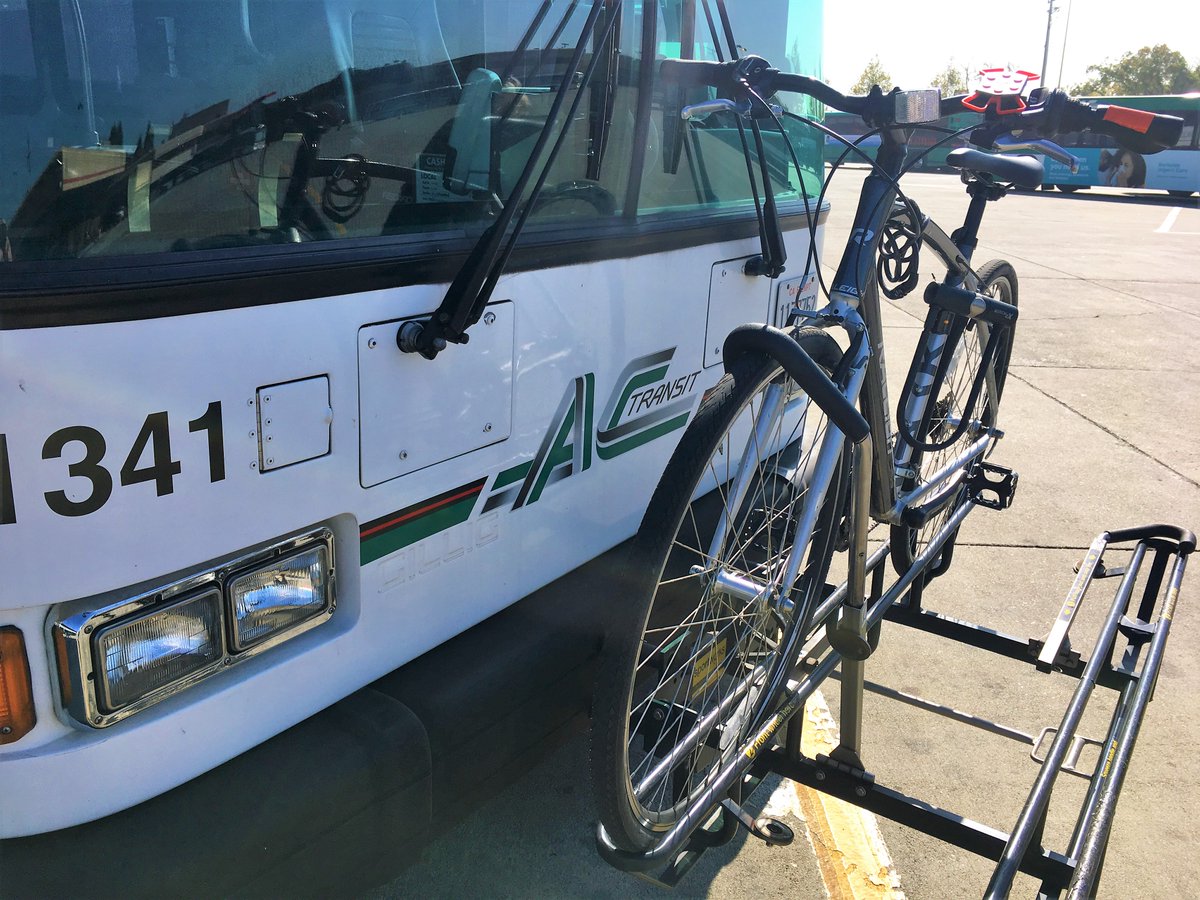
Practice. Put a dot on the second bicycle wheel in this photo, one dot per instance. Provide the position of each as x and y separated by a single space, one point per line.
689 659
997 279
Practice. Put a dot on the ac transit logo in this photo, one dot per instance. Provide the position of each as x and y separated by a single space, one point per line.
643 406
646 406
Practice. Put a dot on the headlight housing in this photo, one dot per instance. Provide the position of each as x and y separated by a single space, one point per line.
140 655
268 600
132 654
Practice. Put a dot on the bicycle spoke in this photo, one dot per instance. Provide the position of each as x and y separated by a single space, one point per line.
716 657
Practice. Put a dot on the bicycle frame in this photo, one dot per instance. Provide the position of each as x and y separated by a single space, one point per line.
851 612
854 303
854 306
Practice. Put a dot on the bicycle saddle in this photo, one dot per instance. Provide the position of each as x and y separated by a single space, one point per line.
1025 171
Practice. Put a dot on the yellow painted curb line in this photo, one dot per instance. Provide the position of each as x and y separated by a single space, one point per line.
853 859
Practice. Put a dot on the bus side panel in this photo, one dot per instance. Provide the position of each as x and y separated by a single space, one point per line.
116 455
1169 170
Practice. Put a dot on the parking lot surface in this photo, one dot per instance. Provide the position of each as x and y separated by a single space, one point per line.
1102 414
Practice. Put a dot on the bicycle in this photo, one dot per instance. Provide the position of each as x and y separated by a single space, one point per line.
792 456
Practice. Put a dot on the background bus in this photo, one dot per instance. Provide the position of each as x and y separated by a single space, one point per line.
853 127
1104 164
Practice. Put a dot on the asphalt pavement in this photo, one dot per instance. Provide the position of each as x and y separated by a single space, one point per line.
1102 414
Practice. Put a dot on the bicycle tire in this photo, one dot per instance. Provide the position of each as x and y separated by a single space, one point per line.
998 279
677 650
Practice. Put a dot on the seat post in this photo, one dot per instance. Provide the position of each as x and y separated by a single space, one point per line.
981 190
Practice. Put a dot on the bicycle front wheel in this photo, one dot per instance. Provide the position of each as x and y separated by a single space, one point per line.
689 661
997 279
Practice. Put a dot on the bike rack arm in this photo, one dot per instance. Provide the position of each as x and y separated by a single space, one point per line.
1095 838
1165 541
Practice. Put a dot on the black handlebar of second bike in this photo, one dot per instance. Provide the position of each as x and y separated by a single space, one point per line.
1134 129
1053 114
732 79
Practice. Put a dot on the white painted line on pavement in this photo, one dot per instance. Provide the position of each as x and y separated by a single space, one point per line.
1172 215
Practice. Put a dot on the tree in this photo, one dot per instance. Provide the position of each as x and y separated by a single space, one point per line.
873 74
1151 70
952 80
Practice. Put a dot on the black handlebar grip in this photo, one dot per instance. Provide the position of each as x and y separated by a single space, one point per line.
1136 129
696 73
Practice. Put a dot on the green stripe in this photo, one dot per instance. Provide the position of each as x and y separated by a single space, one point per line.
560 453
511 476
380 545
589 395
640 381
642 437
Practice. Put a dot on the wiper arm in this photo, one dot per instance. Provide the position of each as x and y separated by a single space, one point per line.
472 287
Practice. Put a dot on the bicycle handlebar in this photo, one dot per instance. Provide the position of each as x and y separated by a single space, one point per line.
1134 129
733 78
1049 115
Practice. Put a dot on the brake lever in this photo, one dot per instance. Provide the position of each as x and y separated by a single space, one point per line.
742 108
1007 143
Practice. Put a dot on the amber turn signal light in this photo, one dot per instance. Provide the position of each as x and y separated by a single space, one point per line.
16 688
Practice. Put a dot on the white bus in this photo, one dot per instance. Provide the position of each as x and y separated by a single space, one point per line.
239 522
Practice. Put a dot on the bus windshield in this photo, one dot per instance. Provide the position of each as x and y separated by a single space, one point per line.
155 126
166 126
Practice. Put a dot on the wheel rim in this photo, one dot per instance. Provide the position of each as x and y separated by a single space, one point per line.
708 650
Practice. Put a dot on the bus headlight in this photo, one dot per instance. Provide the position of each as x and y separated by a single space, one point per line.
123 656
272 599
136 657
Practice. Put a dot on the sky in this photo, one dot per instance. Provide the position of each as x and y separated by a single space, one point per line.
914 46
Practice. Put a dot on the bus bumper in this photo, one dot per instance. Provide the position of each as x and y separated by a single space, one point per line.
342 801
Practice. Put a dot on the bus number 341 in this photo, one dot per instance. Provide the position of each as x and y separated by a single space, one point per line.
155 435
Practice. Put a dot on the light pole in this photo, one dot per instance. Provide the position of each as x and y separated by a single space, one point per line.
1063 59
1046 52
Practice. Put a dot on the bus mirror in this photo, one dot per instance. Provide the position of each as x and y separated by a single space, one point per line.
916 107
469 162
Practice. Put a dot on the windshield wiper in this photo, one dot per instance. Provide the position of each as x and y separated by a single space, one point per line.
472 287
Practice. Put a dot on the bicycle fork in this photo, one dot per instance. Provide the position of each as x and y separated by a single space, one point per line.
779 590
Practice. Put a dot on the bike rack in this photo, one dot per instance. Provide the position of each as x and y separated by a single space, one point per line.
1126 658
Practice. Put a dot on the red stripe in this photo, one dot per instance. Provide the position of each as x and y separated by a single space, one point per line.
94 175
418 512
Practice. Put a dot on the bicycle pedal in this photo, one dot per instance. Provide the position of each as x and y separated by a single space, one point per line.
992 486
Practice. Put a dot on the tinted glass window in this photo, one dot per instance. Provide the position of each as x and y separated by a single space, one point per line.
176 126
143 126
702 164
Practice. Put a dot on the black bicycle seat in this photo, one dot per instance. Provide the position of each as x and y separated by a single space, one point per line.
1025 171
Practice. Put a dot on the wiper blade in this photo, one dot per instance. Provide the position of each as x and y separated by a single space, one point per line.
472 287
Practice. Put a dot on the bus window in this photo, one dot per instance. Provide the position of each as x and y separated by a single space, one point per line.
1187 137
18 73
701 165
175 126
